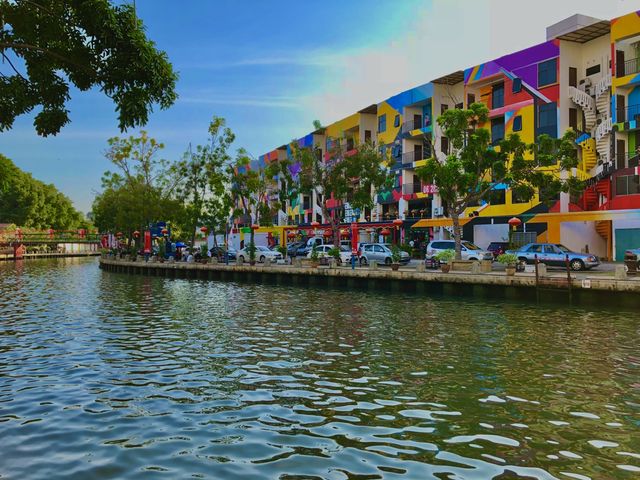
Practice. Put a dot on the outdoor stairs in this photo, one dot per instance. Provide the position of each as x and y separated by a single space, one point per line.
601 135
603 228
589 158
588 104
596 195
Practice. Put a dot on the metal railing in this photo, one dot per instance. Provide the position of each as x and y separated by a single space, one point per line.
415 124
410 188
410 157
626 159
631 66
629 113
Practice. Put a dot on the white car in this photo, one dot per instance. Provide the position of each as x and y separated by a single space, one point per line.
469 250
261 255
323 251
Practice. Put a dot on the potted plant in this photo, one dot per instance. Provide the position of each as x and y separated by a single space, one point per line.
509 260
204 254
395 257
445 257
162 252
251 248
314 256
283 251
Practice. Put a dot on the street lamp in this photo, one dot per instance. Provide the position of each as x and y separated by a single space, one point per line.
397 223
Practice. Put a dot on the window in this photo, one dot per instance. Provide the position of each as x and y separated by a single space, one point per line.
547 72
443 108
550 249
496 197
497 130
627 185
517 123
378 249
516 86
548 119
444 145
535 249
367 135
382 123
396 121
497 96
459 106
517 197
592 70
573 119
471 98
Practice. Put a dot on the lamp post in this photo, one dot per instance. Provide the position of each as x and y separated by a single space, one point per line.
397 223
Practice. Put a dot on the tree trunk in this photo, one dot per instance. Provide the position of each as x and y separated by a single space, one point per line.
252 247
457 234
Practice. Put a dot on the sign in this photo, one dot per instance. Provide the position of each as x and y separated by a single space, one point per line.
350 214
429 189
147 241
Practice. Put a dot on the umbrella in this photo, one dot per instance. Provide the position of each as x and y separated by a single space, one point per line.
180 244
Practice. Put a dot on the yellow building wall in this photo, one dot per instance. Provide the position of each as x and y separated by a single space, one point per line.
391 133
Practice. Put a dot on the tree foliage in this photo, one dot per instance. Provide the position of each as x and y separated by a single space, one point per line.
47 45
475 165
203 186
353 178
28 202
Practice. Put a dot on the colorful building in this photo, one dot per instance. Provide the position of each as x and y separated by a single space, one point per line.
586 76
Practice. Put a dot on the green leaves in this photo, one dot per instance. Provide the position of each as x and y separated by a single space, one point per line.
48 45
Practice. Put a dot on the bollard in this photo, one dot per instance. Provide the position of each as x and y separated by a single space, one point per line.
332 263
542 269
373 265
486 266
621 272
240 261
421 267
631 262
475 268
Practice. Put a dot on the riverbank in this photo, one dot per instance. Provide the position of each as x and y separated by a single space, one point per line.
29 256
553 287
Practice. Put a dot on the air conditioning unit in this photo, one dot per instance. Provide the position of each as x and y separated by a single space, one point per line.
438 211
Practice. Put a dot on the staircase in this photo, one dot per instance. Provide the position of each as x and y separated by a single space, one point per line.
603 228
589 158
602 85
590 199
596 196
601 135
603 104
588 105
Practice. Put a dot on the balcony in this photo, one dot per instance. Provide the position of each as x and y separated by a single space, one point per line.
631 66
415 124
409 157
626 160
411 188
632 112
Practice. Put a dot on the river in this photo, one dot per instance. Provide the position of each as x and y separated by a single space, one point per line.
105 375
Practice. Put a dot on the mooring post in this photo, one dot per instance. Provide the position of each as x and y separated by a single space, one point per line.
537 279
566 262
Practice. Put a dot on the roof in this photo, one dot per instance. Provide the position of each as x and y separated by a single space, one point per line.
450 79
370 109
586 34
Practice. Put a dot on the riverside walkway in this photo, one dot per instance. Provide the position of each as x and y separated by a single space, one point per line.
548 287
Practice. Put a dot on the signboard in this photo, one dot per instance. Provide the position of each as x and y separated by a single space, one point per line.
429 189
147 241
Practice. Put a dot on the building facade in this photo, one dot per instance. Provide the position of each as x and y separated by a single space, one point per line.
585 76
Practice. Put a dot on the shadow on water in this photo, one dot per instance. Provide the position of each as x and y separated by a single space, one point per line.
113 376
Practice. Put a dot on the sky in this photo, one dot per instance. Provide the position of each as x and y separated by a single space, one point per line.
271 67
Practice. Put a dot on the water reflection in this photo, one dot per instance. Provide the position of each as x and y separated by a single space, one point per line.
111 376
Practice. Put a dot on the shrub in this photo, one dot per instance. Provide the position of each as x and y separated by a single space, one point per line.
395 254
335 253
507 259
445 256
314 253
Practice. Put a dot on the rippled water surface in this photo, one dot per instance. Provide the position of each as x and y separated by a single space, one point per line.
112 376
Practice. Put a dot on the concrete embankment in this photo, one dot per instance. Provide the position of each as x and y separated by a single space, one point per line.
604 291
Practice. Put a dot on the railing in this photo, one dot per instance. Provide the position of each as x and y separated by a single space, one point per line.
410 157
415 124
632 66
582 98
625 160
602 85
603 129
417 214
629 113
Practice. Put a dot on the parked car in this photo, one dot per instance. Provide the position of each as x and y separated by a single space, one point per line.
498 248
323 251
262 254
292 248
380 253
636 252
469 251
554 254
219 252
304 250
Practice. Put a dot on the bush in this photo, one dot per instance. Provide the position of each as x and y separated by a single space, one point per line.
282 250
395 254
507 259
314 253
335 253
445 256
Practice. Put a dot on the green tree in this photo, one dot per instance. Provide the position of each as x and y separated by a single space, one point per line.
28 202
475 165
48 45
203 181
142 191
352 178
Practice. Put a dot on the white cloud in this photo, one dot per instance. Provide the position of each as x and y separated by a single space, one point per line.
444 36
248 101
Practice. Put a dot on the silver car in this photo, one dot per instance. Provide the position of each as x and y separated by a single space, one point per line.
469 251
380 253
555 254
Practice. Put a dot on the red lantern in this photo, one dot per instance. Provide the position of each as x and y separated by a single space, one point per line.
119 234
344 232
204 229
514 221
291 235
397 222
136 234
315 224
328 233
164 231
255 226
385 232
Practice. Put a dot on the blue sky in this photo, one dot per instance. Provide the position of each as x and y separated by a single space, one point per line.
272 67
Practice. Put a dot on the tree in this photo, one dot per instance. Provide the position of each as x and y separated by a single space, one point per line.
351 178
248 191
28 202
475 165
48 45
203 185
142 191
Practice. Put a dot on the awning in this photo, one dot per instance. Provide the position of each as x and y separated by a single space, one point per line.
438 222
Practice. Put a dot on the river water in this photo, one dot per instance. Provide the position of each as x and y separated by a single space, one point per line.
105 375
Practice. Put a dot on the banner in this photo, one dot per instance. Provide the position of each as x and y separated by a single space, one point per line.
147 241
